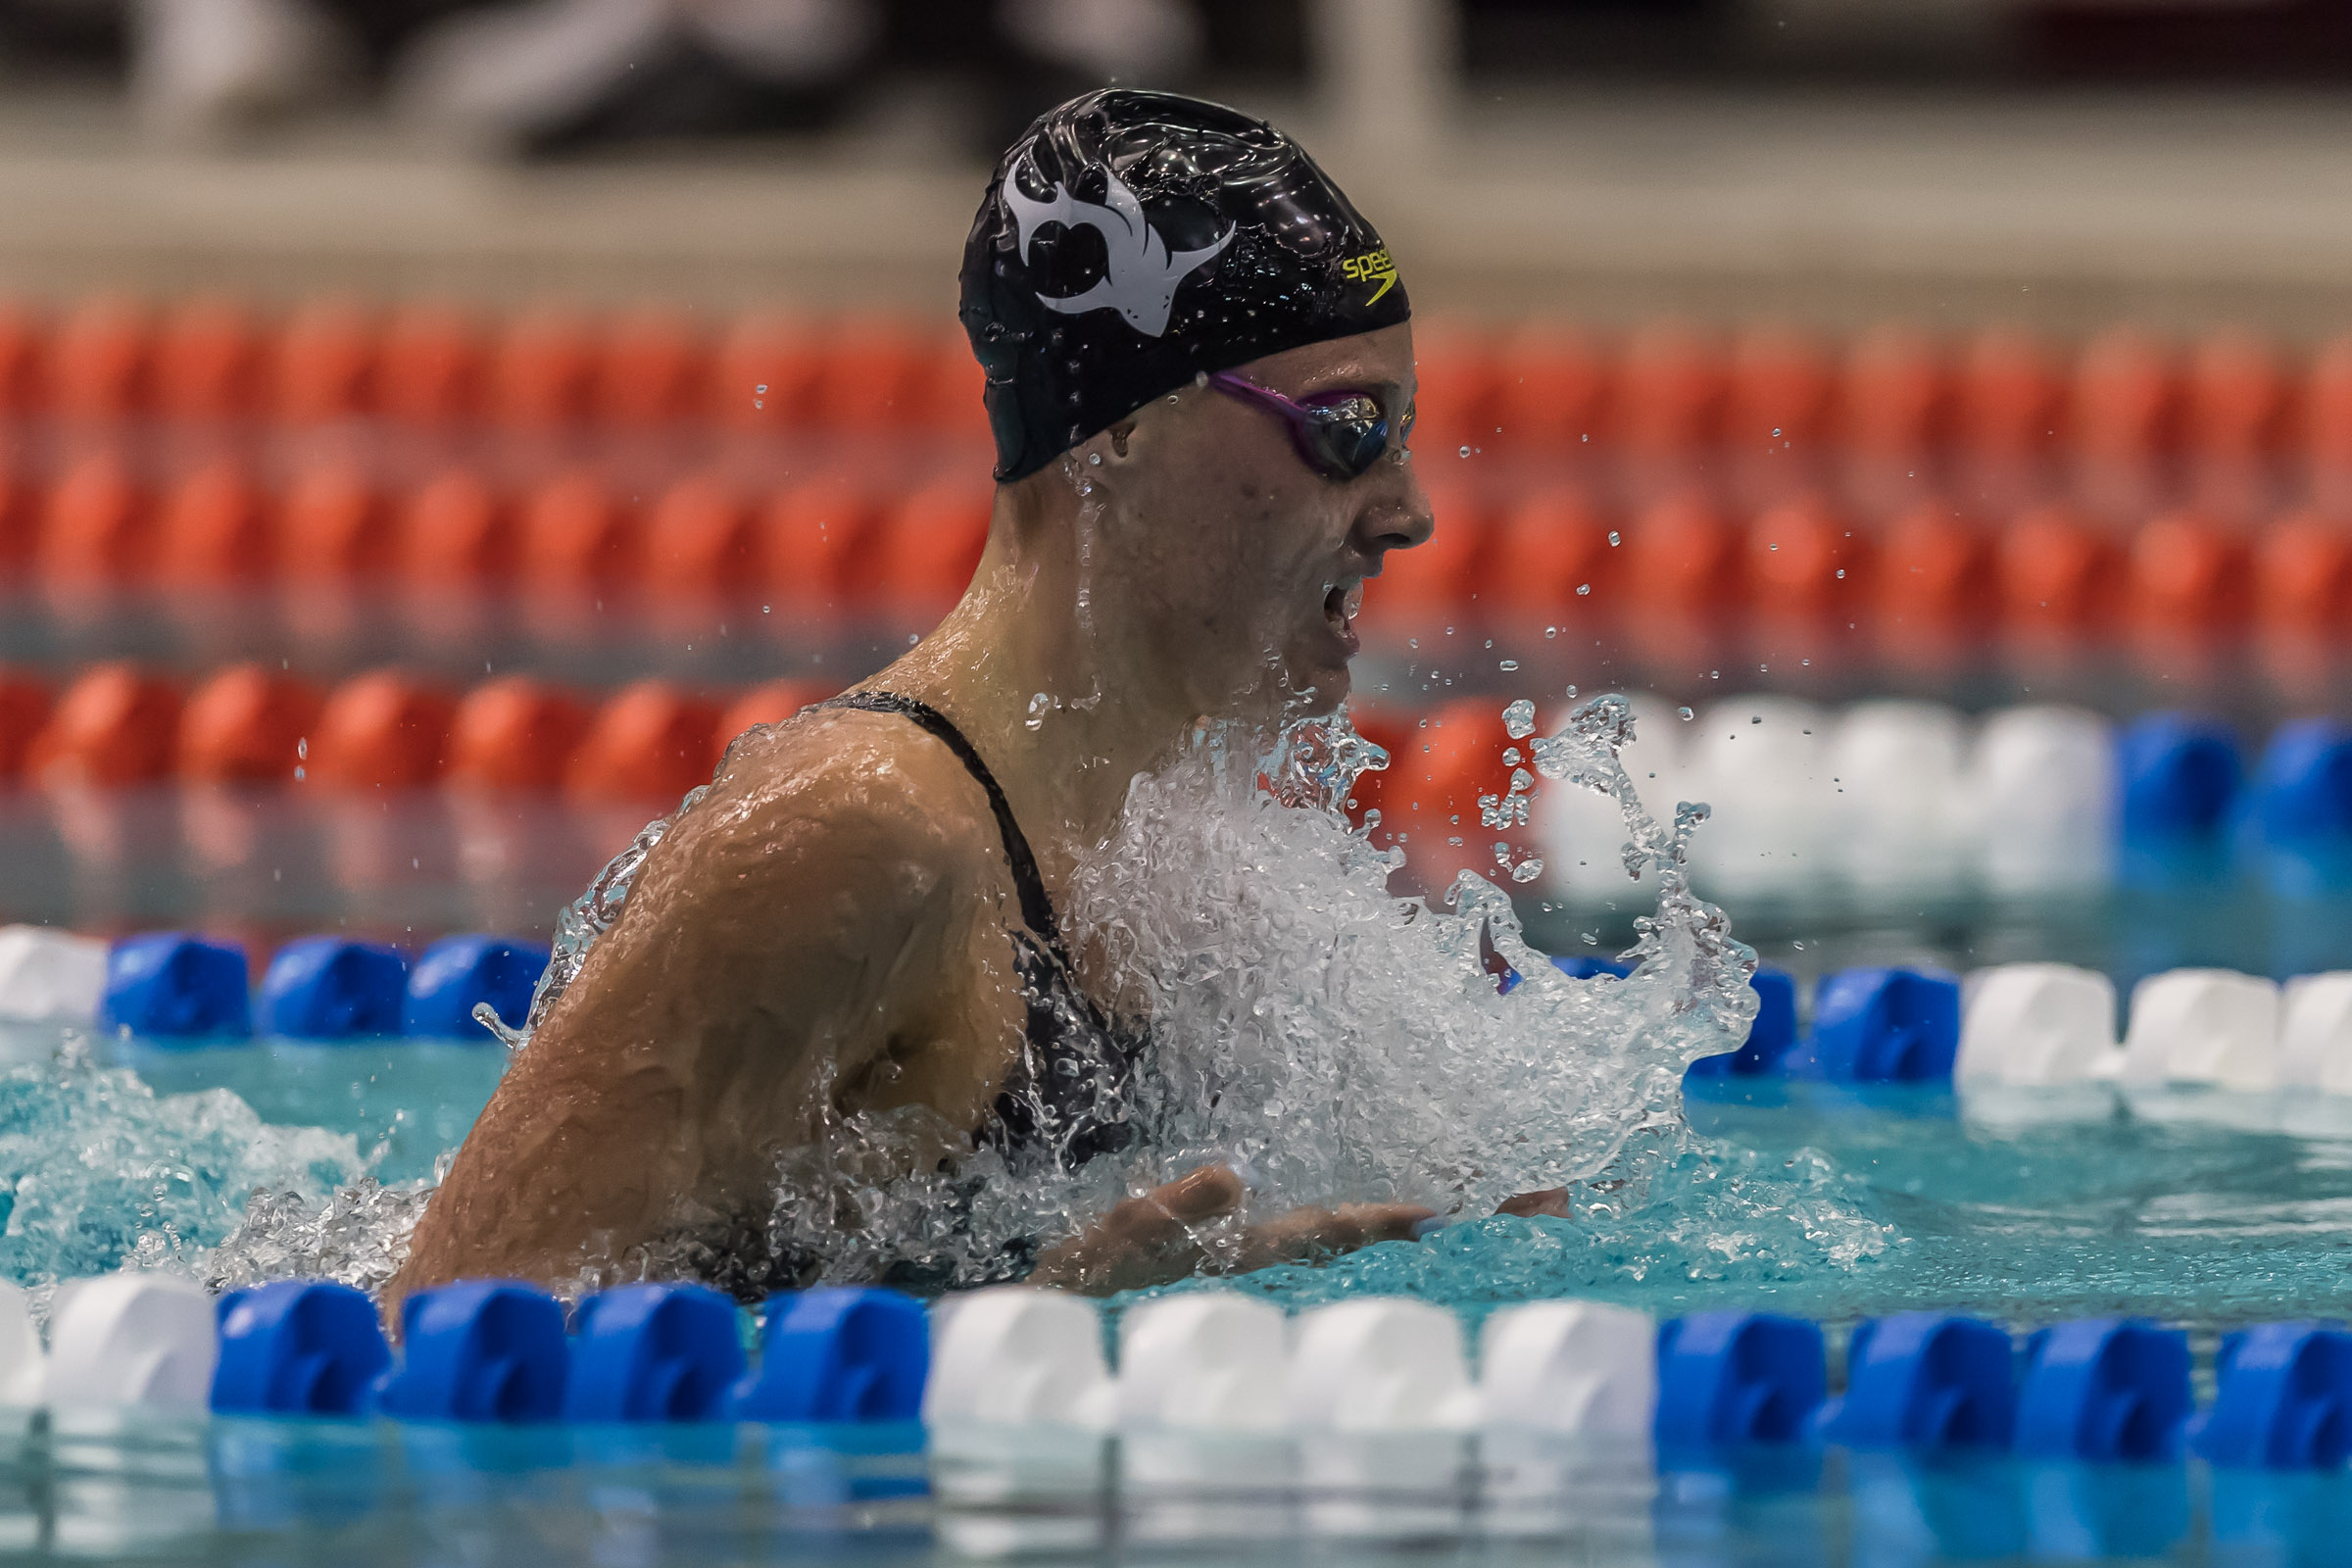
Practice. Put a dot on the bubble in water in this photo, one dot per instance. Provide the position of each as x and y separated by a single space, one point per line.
1038 707
1519 720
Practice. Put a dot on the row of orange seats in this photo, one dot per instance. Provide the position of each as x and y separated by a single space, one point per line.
543 367
2124 395
1539 384
1552 552
821 540
118 724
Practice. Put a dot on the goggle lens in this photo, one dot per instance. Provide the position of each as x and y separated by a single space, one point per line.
1347 435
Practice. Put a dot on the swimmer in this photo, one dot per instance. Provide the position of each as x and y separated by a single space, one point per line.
1199 380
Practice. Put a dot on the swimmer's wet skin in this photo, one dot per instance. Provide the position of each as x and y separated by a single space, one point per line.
1200 396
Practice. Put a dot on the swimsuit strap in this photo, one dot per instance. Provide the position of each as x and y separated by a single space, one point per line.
1037 906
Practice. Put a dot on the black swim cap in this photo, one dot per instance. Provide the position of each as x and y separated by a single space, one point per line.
1132 241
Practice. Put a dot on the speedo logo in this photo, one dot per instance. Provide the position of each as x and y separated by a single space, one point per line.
1369 267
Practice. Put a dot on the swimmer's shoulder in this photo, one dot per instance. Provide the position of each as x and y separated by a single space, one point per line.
864 793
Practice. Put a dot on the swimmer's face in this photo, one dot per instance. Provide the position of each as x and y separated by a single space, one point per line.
1245 564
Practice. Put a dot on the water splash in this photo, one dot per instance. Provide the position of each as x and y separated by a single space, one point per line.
98 1170
1309 1026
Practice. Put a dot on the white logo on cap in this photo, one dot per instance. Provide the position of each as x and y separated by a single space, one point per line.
1141 279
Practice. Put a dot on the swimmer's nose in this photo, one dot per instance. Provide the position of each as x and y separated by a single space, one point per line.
1397 521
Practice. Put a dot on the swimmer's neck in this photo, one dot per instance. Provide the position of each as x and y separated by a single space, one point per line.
1107 711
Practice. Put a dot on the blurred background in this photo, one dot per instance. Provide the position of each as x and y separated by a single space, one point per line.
433 427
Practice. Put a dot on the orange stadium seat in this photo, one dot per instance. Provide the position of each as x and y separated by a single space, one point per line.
878 372
819 540
1780 388
541 368
1551 388
649 742
20 509
2327 405
2125 399
429 366
23 711
1672 380
651 368
117 724
1935 570
576 535
24 359
929 545
1803 557
324 365
2303 573
2189 572
1895 394
699 541
765 372
1551 556
456 531
1680 553
382 731
207 356
97 524
246 725
2058 573
2006 394
515 734
333 526
99 359
2237 396
214 530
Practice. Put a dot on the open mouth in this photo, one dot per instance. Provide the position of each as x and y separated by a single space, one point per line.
1341 603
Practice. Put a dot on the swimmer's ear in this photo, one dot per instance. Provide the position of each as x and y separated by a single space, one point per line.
1118 436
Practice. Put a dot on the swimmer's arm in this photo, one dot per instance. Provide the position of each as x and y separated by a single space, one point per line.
773 947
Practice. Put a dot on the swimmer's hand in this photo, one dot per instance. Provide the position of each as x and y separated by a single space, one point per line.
1552 1201
1166 1234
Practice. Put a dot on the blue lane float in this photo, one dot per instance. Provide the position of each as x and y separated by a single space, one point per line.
1882 1026
177 987
2106 1390
478 1350
1769 1038
2282 1399
839 1354
1924 1379
1730 1380
332 988
298 1348
654 1353
457 974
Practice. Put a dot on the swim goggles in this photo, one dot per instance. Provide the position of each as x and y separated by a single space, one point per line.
1339 434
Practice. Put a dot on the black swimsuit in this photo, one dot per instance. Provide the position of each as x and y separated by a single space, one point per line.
1066 1096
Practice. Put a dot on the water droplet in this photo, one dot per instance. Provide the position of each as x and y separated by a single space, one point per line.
1094 460
1583 589
1841 571
1506 664
1037 706
1527 870
1465 451
1685 715
1552 632
761 389
1612 536
1519 720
